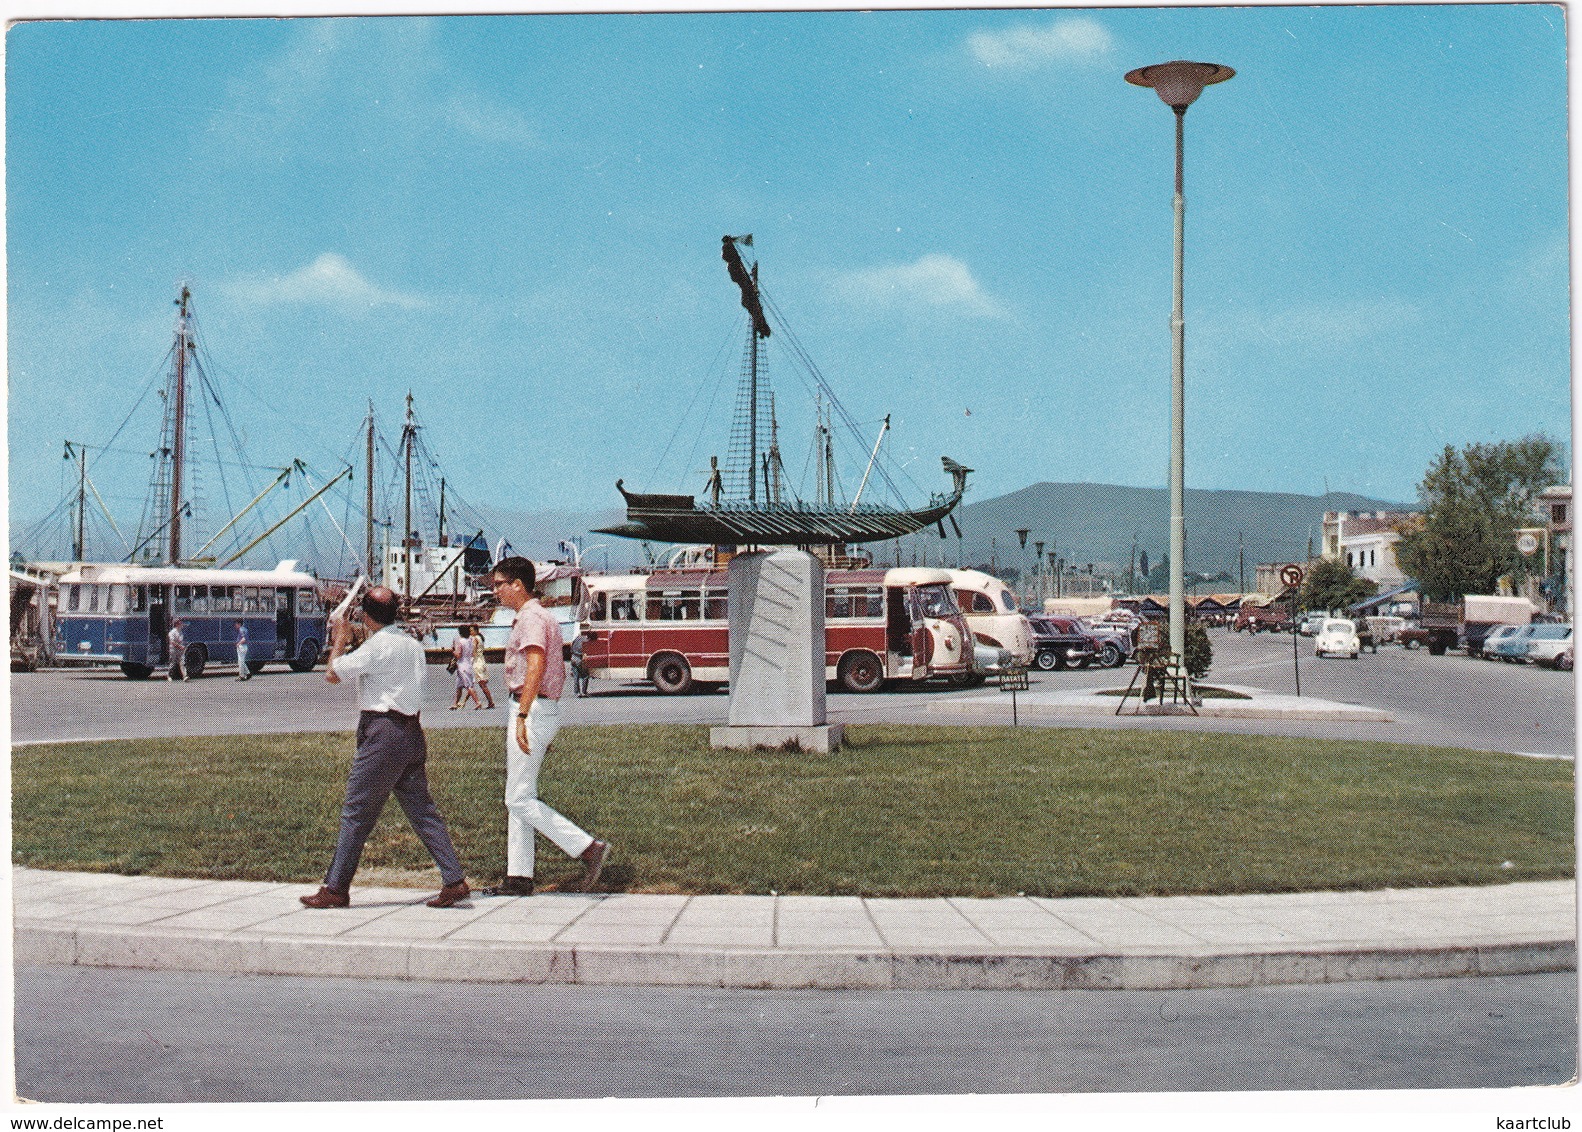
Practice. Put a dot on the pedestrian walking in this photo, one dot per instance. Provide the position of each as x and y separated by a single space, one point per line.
579 665
461 665
392 751
535 674
480 666
178 651
242 671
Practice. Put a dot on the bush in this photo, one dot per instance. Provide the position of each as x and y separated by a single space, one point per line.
1199 652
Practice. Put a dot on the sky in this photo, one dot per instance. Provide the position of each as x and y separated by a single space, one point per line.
964 215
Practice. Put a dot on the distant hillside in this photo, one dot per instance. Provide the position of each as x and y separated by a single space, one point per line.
1085 522
1089 522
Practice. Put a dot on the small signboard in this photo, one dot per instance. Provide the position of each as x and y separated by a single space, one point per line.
1152 636
1013 680
1291 575
1527 543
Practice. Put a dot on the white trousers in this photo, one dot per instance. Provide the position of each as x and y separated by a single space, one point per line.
524 812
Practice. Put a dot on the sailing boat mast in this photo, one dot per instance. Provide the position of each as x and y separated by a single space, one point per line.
408 442
368 481
178 446
747 280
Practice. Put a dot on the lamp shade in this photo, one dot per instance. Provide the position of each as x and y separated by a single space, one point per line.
1179 83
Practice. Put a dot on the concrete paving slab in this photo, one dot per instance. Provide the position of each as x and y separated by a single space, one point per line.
802 941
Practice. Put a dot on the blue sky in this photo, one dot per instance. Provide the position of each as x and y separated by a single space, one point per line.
965 215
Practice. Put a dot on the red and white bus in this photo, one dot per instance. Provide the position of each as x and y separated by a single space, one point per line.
672 627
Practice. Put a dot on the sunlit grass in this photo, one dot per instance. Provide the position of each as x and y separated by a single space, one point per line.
900 811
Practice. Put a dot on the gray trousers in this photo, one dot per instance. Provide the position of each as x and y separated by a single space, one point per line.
391 758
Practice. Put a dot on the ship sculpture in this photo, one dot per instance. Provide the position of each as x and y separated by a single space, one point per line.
759 512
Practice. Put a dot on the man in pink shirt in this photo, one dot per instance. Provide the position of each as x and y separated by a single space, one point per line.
535 674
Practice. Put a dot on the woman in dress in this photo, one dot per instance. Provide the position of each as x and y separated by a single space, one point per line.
466 682
480 667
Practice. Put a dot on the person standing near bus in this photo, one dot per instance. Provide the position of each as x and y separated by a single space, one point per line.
579 665
392 751
178 651
242 671
535 674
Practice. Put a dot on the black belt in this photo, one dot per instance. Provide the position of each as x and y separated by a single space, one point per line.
398 716
516 697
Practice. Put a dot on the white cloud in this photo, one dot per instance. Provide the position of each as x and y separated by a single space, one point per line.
470 113
1331 324
1071 39
330 280
932 281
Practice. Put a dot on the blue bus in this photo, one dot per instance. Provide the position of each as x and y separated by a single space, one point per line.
121 615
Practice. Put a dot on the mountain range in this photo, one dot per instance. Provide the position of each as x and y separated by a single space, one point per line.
1082 522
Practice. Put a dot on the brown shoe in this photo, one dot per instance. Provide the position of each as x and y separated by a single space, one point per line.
593 858
511 886
327 897
451 894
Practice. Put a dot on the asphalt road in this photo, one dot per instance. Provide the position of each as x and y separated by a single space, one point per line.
1449 700
163 1036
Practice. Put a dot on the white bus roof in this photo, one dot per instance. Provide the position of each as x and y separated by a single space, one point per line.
977 580
916 576
285 574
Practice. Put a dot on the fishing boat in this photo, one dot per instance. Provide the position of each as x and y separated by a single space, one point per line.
747 503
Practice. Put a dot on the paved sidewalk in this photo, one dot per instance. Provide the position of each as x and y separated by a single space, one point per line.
98 919
1045 703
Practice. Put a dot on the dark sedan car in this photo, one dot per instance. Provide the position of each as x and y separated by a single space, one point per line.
1060 643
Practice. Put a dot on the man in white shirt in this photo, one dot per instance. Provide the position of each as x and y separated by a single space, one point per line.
391 751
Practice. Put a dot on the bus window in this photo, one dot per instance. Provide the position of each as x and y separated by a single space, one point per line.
934 600
73 596
307 602
93 599
200 599
837 604
183 599
598 608
250 598
716 607
675 605
982 603
623 607
282 599
117 599
1008 601
139 599
874 606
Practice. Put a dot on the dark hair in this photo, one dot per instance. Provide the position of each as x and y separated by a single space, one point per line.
382 605
517 569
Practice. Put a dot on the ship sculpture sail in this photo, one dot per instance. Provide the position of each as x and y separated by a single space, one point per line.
761 516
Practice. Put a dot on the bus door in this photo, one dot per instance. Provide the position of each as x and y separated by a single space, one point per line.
285 621
899 622
158 625
616 631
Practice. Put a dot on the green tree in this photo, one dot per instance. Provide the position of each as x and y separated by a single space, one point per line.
1332 584
1473 501
1199 651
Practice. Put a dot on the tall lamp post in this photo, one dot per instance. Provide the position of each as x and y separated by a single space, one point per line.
1178 84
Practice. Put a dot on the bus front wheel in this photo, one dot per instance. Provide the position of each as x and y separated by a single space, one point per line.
861 672
136 671
307 656
671 674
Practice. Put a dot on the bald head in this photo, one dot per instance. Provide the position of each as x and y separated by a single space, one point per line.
382 605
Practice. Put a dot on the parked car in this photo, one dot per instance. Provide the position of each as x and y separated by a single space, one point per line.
1337 637
1511 647
1055 648
1311 623
1115 645
1489 647
1548 643
1386 630
1263 619
1110 650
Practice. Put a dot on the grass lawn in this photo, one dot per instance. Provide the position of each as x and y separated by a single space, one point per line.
901 811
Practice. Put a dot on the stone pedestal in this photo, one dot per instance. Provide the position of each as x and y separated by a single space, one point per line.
777 653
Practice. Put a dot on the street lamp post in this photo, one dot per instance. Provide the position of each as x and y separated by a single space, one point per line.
1178 84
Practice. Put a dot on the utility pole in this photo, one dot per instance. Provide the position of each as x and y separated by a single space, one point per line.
178 443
